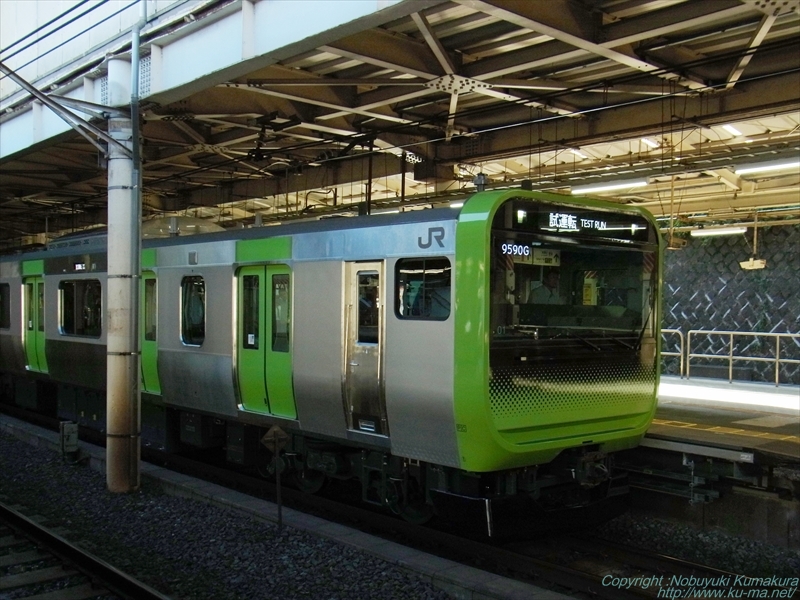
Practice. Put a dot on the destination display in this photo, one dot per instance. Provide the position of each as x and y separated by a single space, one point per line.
572 220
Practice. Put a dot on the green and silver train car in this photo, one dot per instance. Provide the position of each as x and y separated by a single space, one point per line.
483 361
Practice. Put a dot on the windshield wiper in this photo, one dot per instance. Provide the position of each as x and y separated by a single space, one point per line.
621 343
594 347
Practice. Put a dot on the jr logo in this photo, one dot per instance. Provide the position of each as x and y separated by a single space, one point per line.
434 233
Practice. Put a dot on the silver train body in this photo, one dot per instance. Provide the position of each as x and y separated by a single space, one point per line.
371 399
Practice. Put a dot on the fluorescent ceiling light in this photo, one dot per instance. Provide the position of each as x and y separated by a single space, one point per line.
578 153
732 130
767 166
717 231
456 204
650 142
607 187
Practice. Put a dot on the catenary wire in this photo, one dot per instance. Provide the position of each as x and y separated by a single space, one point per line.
50 22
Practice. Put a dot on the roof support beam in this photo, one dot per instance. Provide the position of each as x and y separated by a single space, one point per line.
758 37
296 98
574 40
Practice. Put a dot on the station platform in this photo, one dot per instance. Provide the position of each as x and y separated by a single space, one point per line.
753 417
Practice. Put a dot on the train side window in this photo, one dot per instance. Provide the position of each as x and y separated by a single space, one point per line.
368 307
193 310
40 305
29 305
80 307
280 313
422 288
5 309
250 314
150 310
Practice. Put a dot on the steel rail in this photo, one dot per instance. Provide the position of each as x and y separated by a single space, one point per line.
512 559
96 569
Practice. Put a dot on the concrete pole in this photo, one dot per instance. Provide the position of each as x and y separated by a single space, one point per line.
122 361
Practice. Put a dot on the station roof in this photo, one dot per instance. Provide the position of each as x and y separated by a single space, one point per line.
671 101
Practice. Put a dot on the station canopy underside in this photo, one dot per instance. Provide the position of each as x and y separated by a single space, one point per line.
670 99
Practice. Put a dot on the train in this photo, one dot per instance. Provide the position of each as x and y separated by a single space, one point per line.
485 360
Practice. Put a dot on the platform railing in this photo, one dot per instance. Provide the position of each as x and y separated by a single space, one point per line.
731 355
679 353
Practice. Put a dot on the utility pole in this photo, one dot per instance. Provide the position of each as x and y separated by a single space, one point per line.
123 394
123 415
123 370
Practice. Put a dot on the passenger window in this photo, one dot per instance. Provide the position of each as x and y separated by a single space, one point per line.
29 305
280 313
422 288
368 307
5 309
80 304
193 310
250 312
40 304
150 310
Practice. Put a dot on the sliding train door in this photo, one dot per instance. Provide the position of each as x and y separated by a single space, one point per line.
278 352
263 347
365 404
33 290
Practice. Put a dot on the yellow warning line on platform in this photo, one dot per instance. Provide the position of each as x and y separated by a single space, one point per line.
764 435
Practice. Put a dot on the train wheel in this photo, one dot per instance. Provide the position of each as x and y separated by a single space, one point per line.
308 480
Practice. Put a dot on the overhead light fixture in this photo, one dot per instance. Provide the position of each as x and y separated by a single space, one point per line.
578 153
649 142
456 204
766 167
732 130
717 231
607 187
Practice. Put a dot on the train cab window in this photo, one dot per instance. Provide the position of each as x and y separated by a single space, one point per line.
5 308
193 310
80 307
423 288
368 307
250 312
150 310
280 313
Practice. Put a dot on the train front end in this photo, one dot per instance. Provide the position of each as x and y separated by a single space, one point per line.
557 354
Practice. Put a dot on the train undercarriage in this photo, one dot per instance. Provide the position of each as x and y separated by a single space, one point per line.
577 489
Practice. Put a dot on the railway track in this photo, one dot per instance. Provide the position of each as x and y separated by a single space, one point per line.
37 563
574 564
578 565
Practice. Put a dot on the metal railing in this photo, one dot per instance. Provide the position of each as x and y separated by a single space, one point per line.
679 353
686 356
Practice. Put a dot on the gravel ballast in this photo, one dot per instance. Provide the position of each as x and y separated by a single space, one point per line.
713 548
191 550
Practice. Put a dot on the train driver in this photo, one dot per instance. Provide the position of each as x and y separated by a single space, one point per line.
547 291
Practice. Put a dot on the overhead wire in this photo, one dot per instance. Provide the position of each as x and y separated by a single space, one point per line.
531 120
65 42
50 22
